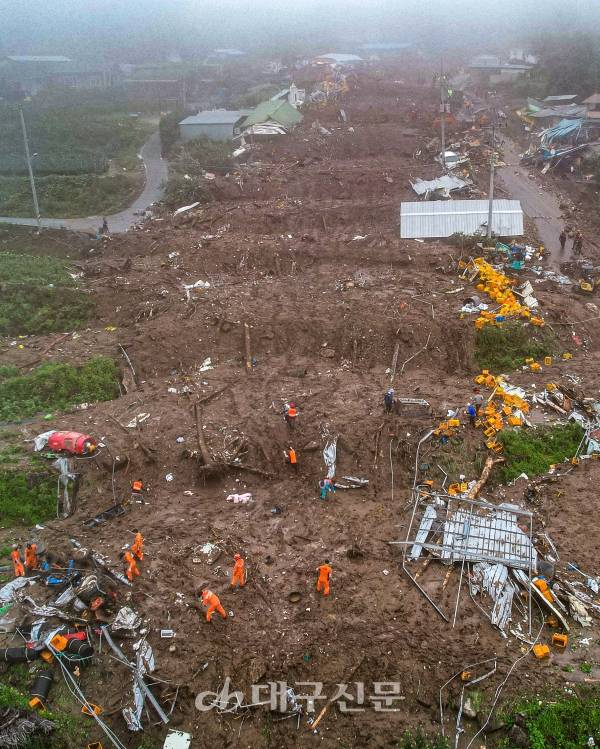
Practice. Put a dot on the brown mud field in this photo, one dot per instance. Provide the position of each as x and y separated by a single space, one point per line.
302 247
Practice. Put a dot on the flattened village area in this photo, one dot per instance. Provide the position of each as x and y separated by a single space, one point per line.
293 285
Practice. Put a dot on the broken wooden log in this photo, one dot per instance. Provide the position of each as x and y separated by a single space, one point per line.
490 462
247 347
204 451
45 351
210 396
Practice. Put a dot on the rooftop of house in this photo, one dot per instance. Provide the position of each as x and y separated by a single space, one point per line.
214 117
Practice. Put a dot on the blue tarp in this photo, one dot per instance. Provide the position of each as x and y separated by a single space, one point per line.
561 130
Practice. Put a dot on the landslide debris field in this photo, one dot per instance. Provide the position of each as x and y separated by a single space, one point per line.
312 298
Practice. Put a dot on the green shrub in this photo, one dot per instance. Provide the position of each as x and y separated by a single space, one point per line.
26 500
420 740
28 269
561 723
52 387
181 191
8 370
534 451
168 127
505 348
186 183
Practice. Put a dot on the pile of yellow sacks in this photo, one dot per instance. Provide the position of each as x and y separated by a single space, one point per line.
497 286
447 428
495 415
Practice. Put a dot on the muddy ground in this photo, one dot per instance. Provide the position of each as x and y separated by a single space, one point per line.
302 245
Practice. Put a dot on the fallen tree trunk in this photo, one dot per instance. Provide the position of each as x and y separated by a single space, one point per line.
247 347
490 462
206 456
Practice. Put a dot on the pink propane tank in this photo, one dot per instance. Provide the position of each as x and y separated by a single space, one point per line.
72 442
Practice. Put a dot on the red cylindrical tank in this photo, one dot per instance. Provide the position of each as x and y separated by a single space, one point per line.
72 442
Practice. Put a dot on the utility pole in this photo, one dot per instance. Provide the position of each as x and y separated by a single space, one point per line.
443 114
492 168
30 170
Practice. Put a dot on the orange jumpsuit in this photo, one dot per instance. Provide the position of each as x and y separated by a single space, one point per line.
137 548
323 582
212 603
31 560
18 569
132 568
238 575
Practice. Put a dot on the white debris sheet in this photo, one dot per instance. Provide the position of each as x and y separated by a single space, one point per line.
40 442
7 592
329 456
445 184
185 208
428 517
188 287
494 537
493 579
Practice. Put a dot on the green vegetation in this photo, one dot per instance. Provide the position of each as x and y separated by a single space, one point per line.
256 95
26 269
533 452
73 141
70 196
561 723
39 296
420 740
567 62
505 348
70 730
27 490
53 387
186 182
168 127
74 147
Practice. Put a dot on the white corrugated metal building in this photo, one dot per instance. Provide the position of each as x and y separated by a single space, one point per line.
443 218
216 124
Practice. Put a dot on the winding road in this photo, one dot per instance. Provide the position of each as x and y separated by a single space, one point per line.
156 174
539 203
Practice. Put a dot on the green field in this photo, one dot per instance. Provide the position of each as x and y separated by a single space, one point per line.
504 348
70 196
56 387
533 451
39 296
85 159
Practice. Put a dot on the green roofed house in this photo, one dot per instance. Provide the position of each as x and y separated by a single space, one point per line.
271 117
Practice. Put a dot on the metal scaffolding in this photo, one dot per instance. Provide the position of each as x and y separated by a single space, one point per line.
486 540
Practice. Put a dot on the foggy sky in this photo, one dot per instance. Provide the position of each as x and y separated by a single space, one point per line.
135 29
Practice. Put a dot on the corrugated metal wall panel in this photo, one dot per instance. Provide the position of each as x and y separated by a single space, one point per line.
442 218
217 131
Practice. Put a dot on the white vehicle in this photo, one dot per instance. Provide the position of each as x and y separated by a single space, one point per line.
452 159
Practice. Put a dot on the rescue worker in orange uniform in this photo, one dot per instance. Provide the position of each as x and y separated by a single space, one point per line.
132 568
137 548
137 486
18 569
212 603
292 457
238 575
291 412
31 560
324 576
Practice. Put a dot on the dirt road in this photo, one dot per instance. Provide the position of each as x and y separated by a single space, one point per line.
539 204
156 174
